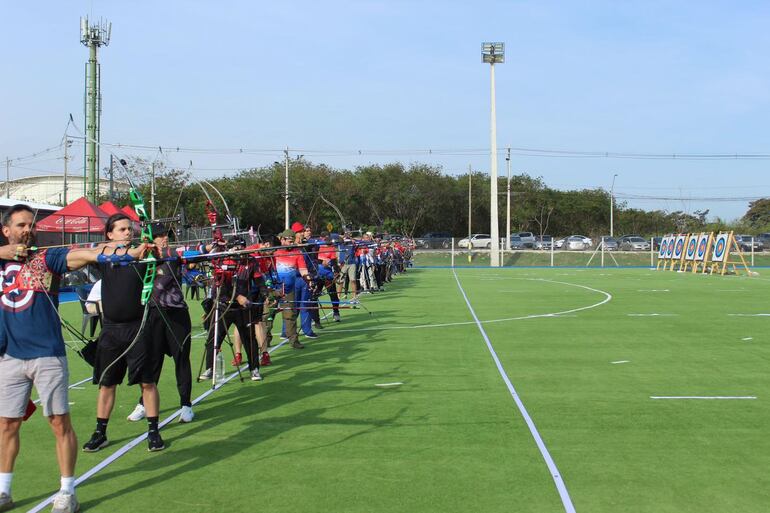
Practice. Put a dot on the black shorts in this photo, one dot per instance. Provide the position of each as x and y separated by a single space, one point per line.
113 342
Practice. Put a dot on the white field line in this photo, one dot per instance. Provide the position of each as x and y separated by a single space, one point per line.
749 315
652 315
654 290
395 384
139 439
747 338
564 313
620 361
706 397
555 474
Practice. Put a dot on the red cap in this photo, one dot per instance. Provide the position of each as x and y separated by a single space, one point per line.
297 227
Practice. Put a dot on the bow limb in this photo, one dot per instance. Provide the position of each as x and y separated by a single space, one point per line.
337 210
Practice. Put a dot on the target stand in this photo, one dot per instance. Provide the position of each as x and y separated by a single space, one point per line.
664 252
677 257
727 256
703 252
690 251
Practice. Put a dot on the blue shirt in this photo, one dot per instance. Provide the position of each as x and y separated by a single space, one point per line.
31 326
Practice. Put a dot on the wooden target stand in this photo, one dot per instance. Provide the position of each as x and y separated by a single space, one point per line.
690 252
725 249
677 259
663 253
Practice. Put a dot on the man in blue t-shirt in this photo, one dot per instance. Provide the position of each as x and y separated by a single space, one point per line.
32 347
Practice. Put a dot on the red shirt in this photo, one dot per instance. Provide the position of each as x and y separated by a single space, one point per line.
288 259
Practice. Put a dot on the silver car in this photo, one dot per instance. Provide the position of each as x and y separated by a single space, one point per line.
635 244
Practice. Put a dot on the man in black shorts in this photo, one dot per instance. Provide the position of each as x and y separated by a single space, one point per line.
123 345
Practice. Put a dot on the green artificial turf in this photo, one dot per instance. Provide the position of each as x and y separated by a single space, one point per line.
318 434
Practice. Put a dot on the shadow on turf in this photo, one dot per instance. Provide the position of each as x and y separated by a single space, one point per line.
322 359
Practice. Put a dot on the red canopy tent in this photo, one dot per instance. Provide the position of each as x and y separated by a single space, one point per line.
80 216
129 211
109 208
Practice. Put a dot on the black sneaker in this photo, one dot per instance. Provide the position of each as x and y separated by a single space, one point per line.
318 325
97 442
337 317
298 345
154 441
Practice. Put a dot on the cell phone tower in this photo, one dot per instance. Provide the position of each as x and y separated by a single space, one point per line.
93 36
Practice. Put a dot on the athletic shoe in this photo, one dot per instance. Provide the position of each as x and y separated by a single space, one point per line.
137 414
337 318
186 415
206 375
355 301
311 335
154 441
318 325
98 441
6 502
255 375
265 360
237 360
298 345
65 503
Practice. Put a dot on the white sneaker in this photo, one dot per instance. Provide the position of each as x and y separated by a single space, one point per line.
65 503
255 375
186 415
137 414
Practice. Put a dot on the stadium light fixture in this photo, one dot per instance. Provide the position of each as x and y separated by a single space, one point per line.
493 53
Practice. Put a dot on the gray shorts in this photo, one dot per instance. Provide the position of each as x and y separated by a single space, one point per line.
50 376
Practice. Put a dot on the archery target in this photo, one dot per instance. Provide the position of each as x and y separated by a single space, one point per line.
691 247
720 247
663 247
679 246
703 241
670 249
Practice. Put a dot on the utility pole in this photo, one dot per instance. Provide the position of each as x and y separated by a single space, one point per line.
286 191
508 206
470 180
112 170
152 190
66 162
7 177
612 206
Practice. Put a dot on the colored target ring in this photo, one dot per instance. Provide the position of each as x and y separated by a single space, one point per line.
702 247
691 248
679 247
663 248
719 250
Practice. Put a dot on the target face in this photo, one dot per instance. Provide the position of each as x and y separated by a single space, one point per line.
692 244
663 247
703 241
679 247
720 248
670 248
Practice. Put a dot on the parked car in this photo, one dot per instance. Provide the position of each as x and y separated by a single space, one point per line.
516 242
765 238
745 243
625 238
434 240
575 242
543 242
634 244
527 238
610 243
586 240
477 240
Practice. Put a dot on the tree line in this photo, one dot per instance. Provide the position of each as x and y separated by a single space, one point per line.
414 199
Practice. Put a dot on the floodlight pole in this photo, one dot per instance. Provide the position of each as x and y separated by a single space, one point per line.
612 206
508 204
493 53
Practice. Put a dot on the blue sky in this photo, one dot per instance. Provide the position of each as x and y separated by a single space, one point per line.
389 78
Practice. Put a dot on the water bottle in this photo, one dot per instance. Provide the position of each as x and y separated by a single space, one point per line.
220 367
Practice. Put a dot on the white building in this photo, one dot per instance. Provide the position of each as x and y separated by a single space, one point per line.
50 189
